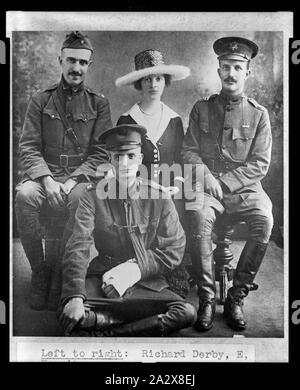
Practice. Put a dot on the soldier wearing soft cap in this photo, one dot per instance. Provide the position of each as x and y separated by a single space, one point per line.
59 154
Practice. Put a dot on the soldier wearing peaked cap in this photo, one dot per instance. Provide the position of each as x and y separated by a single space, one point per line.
125 290
229 135
59 153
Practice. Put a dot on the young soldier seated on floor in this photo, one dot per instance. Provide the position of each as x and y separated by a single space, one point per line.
124 291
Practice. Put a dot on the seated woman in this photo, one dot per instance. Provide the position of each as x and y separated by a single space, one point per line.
163 141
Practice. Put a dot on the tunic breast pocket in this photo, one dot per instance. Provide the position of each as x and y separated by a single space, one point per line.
53 129
242 138
84 122
85 117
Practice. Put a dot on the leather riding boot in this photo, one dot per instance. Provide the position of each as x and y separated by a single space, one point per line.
203 264
39 287
95 323
55 286
150 326
30 234
206 314
248 266
179 315
32 245
40 272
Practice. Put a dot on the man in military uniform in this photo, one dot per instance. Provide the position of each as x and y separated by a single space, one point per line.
124 291
59 153
229 136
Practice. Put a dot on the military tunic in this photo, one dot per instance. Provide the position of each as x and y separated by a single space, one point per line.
105 223
232 138
43 138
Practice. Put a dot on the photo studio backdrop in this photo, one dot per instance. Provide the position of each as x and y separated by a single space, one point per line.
35 66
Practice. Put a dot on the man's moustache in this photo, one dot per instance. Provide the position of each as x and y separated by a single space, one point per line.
74 74
229 79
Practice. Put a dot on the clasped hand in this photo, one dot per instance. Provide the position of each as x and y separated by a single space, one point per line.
55 191
213 186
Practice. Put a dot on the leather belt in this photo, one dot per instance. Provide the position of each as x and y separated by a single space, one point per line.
218 166
65 160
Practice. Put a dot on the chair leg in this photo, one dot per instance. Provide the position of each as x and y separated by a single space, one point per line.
222 258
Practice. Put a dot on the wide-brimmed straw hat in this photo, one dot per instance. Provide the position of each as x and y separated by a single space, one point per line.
149 62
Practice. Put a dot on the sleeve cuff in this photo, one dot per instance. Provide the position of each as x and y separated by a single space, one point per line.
232 181
83 173
36 173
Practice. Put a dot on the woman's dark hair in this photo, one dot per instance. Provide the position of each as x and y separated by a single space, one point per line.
138 84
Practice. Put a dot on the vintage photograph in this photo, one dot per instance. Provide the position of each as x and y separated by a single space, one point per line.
148 181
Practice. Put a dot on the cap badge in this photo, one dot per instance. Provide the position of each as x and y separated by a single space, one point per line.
234 46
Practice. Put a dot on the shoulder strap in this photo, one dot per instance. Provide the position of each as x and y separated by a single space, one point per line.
69 130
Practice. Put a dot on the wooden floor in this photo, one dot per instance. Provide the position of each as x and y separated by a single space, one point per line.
264 308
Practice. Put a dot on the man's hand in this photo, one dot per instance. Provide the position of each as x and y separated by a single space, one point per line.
69 185
53 192
213 187
72 313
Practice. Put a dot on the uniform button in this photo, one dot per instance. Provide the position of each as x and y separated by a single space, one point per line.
68 115
156 165
69 97
52 116
155 175
223 146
